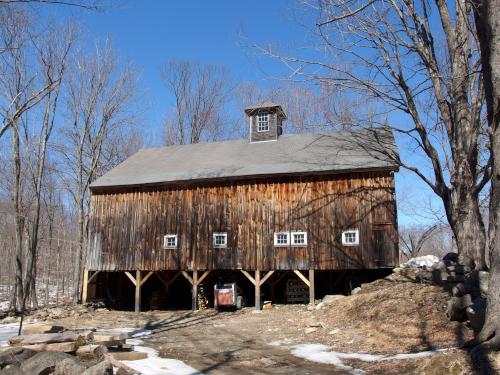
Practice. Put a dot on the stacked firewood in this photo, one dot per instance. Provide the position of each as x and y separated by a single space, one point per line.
203 302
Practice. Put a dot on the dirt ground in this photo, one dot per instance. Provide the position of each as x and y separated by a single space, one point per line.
386 317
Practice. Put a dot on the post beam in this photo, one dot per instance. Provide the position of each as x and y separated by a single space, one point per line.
248 276
267 276
194 302
302 277
257 290
92 277
138 291
311 287
146 278
85 285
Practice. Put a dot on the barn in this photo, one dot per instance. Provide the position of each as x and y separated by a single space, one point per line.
318 209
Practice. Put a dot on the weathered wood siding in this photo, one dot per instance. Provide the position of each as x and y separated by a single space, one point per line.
127 226
271 134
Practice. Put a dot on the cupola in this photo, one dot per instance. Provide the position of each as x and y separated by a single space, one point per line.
265 121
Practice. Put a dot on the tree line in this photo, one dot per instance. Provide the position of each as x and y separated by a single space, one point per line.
71 112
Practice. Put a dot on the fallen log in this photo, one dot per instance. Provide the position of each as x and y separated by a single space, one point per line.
110 336
66 347
91 351
109 344
45 328
128 356
50 338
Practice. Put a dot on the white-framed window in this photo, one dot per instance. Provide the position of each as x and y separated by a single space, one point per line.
220 240
263 122
299 238
170 241
350 237
281 239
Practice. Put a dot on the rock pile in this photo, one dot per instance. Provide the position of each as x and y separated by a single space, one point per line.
468 288
46 349
59 312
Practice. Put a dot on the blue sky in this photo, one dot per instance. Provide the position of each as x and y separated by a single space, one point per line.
149 32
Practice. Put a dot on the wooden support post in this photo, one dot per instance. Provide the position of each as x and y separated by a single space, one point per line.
302 277
194 302
91 278
146 278
257 290
248 276
85 285
137 291
311 287
267 276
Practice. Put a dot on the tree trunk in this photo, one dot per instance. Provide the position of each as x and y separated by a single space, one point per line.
487 17
17 296
466 222
79 252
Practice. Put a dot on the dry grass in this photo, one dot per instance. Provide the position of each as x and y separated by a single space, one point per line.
398 318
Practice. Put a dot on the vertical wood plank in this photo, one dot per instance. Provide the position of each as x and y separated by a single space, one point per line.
137 291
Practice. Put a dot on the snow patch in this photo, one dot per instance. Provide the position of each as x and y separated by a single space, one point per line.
420 262
323 354
154 364
275 343
7 331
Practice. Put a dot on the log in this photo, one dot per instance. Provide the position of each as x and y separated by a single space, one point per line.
110 336
128 356
120 365
111 343
91 351
51 338
66 347
45 328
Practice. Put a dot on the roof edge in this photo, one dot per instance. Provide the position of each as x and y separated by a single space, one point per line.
103 188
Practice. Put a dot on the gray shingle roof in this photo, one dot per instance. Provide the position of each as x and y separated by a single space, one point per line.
334 152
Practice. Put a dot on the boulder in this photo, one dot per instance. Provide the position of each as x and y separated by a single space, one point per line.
459 290
69 366
355 291
43 363
12 370
424 275
329 298
450 259
15 355
102 368
457 306
476 314
483 279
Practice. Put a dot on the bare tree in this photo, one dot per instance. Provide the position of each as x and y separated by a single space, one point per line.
19 95
36 136
307 109
31 73
200 92
487 15
417 240
428 71
100 105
